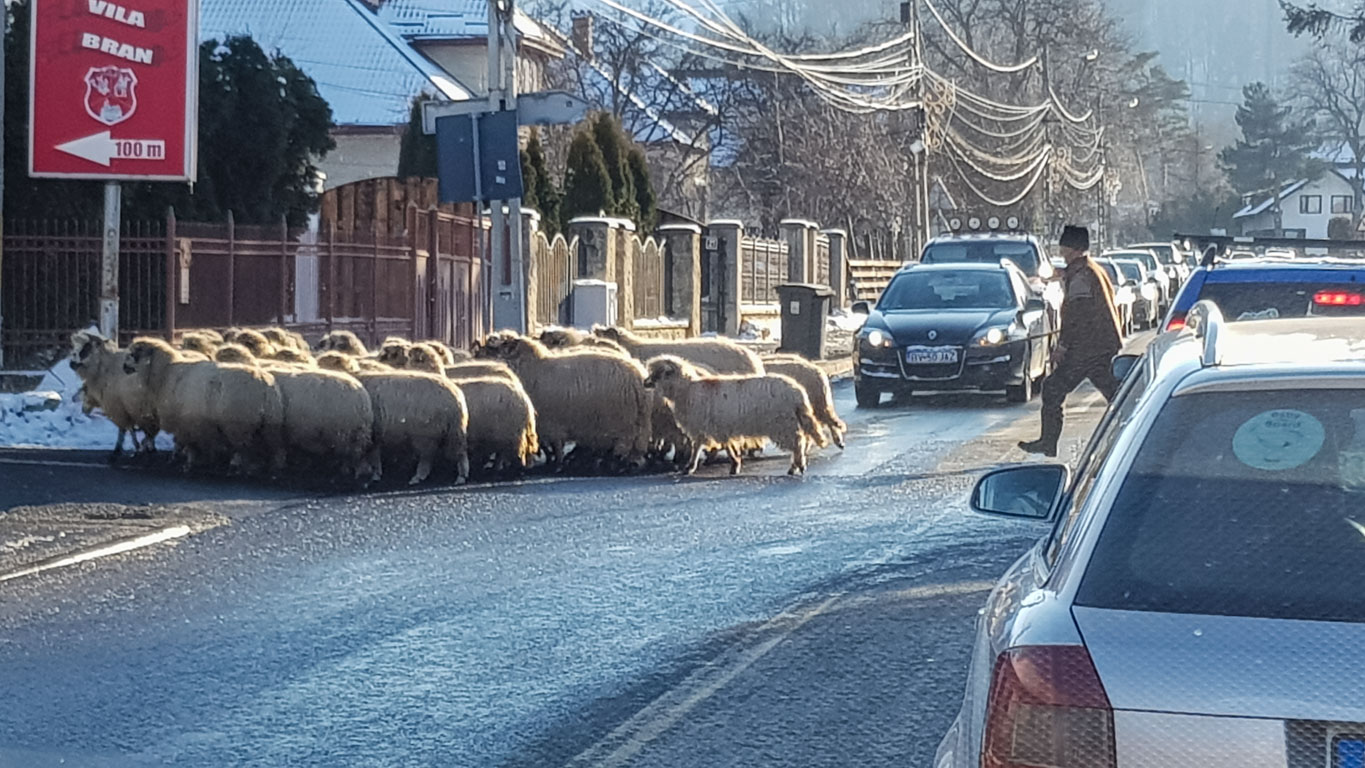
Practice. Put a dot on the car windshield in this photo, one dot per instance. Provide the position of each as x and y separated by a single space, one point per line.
1272 300
948 290
1242 504
1022 254
1109 269
1131 270
1164 253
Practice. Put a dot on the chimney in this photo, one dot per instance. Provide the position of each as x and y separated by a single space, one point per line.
582 34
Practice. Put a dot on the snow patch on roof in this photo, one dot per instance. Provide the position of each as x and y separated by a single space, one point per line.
365 72
1265 205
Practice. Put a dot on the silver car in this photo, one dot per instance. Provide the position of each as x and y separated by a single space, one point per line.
1198 601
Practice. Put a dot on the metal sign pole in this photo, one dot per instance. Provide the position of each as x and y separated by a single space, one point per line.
485 269
109 260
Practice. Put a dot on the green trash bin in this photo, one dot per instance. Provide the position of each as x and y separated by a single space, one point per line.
804 309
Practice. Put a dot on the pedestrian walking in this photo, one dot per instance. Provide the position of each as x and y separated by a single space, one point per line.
1089 341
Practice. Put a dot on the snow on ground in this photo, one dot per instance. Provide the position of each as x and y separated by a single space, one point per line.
50 416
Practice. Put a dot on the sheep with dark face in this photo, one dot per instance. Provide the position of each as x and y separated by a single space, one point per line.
394 353
345 342
99 364
725 410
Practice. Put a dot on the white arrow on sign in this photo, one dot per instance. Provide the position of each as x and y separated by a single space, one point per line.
101 148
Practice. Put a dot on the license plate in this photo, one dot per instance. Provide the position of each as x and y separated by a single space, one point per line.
930 355
1348 752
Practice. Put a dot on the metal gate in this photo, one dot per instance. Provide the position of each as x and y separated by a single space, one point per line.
713 282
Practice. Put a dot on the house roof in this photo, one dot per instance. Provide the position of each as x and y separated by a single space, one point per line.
365 72
454 20
1265 205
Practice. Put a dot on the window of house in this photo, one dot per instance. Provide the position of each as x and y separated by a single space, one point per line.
1343 204
1310 203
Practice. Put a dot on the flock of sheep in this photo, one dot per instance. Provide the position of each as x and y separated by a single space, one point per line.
265 402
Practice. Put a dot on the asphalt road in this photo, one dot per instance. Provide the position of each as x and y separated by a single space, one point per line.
646 621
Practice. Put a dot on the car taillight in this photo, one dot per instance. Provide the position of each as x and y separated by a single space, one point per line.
1338 299
1177 322
1048 709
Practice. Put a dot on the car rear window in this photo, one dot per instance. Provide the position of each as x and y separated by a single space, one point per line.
1241 504
1023 255
1272 300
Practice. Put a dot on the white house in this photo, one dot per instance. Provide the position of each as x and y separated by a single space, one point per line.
1306 207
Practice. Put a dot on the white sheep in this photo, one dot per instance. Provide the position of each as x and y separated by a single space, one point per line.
595 400
201 342
122 398
394 352
481 369
345 342
816 383
723 410
569 338
327 415
711 354
421 416
210 406
502 422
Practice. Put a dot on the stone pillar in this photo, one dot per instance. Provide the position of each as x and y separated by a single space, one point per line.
799 236
683 246
627 257
727 273
530 229
603 255
596 247
838 266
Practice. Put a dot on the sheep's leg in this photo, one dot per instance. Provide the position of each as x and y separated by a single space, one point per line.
425 450
736 458
117 453
798 466
838 436
692 465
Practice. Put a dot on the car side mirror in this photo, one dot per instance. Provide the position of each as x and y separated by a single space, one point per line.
1025 493
862 308
1028 492
1034 305
1122 365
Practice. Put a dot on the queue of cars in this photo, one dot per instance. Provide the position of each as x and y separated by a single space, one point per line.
1193 600
982 312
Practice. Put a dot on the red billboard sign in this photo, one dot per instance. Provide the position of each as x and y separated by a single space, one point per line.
113 89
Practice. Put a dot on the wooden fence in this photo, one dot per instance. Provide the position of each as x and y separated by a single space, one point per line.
651 289
556 267
763 267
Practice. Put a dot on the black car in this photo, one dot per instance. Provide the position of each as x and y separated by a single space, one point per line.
954 326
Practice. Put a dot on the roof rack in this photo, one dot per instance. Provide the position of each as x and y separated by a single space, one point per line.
1205 321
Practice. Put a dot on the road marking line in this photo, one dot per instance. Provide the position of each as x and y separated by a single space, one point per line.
646 726
37 463
114 548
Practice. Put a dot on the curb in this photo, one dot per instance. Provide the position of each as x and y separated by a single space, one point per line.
115 547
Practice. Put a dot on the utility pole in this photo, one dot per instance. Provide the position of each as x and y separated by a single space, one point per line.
509 309
920 147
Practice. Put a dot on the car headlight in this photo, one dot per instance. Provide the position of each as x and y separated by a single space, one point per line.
878 338
994 337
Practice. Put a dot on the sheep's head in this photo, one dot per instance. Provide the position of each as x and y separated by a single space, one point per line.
421 357
143 352
495 345
556 338
291 355
210 334
84 344
663 370
443 353
516 347
230 335
344 342
608 332
199 342
276 336
234 353
336 361
255 341
395 352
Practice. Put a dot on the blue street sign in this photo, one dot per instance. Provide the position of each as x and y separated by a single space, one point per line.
486 141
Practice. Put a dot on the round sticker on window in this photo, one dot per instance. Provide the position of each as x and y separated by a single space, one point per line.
1277 440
